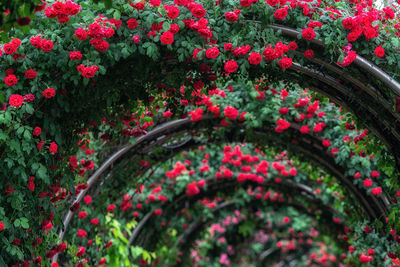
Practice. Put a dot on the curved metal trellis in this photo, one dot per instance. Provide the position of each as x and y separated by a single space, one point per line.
164 132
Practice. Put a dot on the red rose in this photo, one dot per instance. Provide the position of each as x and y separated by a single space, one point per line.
9 71
87 199
167 114
254 58
108 32
75 55
326 143
80 68
9 49
82 214
241 51
50 13
181 2
212 52
308 33
375 174
304 129
364 258
230 66
376 191
192 189
16 100
292 46
23 21
155 3
71 8
281 13
269 53
231 112
94 221
351 56
31 185
280 49
40 7
16 42
49 93
136 39
367 182
172 11
89 72
319 126
40 145
10 80
46 45
30 74
308 53
353 36
313 24
157 212
228 46
63 18
61 247
111 207
35 41
198 11
231 16
195 115
80 34
132 23
272 2
37 131
53 147
81 251
102 46
1 226
283 111
349 23
370 33
94 29
81 233
379 51
174 28
281 125
167 38
285 62
58 6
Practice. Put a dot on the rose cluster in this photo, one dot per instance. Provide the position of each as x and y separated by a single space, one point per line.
62 11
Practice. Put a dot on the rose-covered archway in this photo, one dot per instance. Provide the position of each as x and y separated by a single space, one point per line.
88 74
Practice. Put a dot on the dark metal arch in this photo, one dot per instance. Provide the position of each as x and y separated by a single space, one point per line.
366 101
360 61
185 240
182 200
312 148
163 132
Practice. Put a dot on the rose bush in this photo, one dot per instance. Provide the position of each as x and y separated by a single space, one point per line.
125 73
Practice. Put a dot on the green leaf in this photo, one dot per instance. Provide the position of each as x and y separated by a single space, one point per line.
166 26
20 130
107 3
27 135
24 222
85 81
375 23
29 109
42 172
117 15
